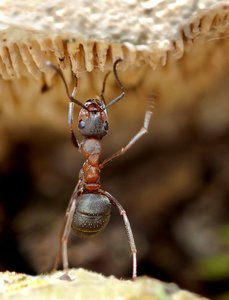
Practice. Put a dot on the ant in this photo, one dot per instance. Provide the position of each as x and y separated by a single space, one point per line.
89 209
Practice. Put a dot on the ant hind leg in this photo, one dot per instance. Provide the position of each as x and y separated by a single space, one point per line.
62 250
128 230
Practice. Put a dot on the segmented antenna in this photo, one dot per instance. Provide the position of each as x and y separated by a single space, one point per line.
60 73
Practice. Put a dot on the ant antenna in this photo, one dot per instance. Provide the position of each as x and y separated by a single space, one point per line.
60 73
104 84
118 83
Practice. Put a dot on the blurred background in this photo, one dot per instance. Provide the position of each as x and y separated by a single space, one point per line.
174 183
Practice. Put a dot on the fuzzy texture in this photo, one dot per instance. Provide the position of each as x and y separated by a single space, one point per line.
92 36
87 285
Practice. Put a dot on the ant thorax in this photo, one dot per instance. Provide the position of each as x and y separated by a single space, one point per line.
91 147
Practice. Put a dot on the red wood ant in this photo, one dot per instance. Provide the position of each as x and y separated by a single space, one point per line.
89 209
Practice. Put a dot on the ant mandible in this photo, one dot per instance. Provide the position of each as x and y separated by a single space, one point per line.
89 208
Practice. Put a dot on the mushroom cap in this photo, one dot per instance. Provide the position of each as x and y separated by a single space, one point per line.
93 35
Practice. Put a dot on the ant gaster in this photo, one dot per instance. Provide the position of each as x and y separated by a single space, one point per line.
89 209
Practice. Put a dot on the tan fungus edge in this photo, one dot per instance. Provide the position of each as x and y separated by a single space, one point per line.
27 57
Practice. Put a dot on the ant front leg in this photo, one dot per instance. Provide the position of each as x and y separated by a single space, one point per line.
70 119
128 230
142 131
71 103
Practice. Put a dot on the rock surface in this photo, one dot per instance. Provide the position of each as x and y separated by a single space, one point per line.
87 285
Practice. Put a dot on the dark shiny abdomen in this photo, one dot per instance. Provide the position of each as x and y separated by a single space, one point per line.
91 215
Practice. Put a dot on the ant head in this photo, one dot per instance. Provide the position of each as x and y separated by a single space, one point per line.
93 120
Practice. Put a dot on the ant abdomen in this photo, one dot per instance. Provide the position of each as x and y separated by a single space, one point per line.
92 214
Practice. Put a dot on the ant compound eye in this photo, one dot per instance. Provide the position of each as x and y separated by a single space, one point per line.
81 124
105 125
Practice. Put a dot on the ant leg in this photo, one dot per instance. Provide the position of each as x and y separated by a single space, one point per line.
67 216
70 120
142 131
119 84
128 230
72 101
64 239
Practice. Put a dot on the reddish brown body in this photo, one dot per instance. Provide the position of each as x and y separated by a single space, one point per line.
91 149
89 209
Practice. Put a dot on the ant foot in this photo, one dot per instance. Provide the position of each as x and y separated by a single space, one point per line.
66 277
